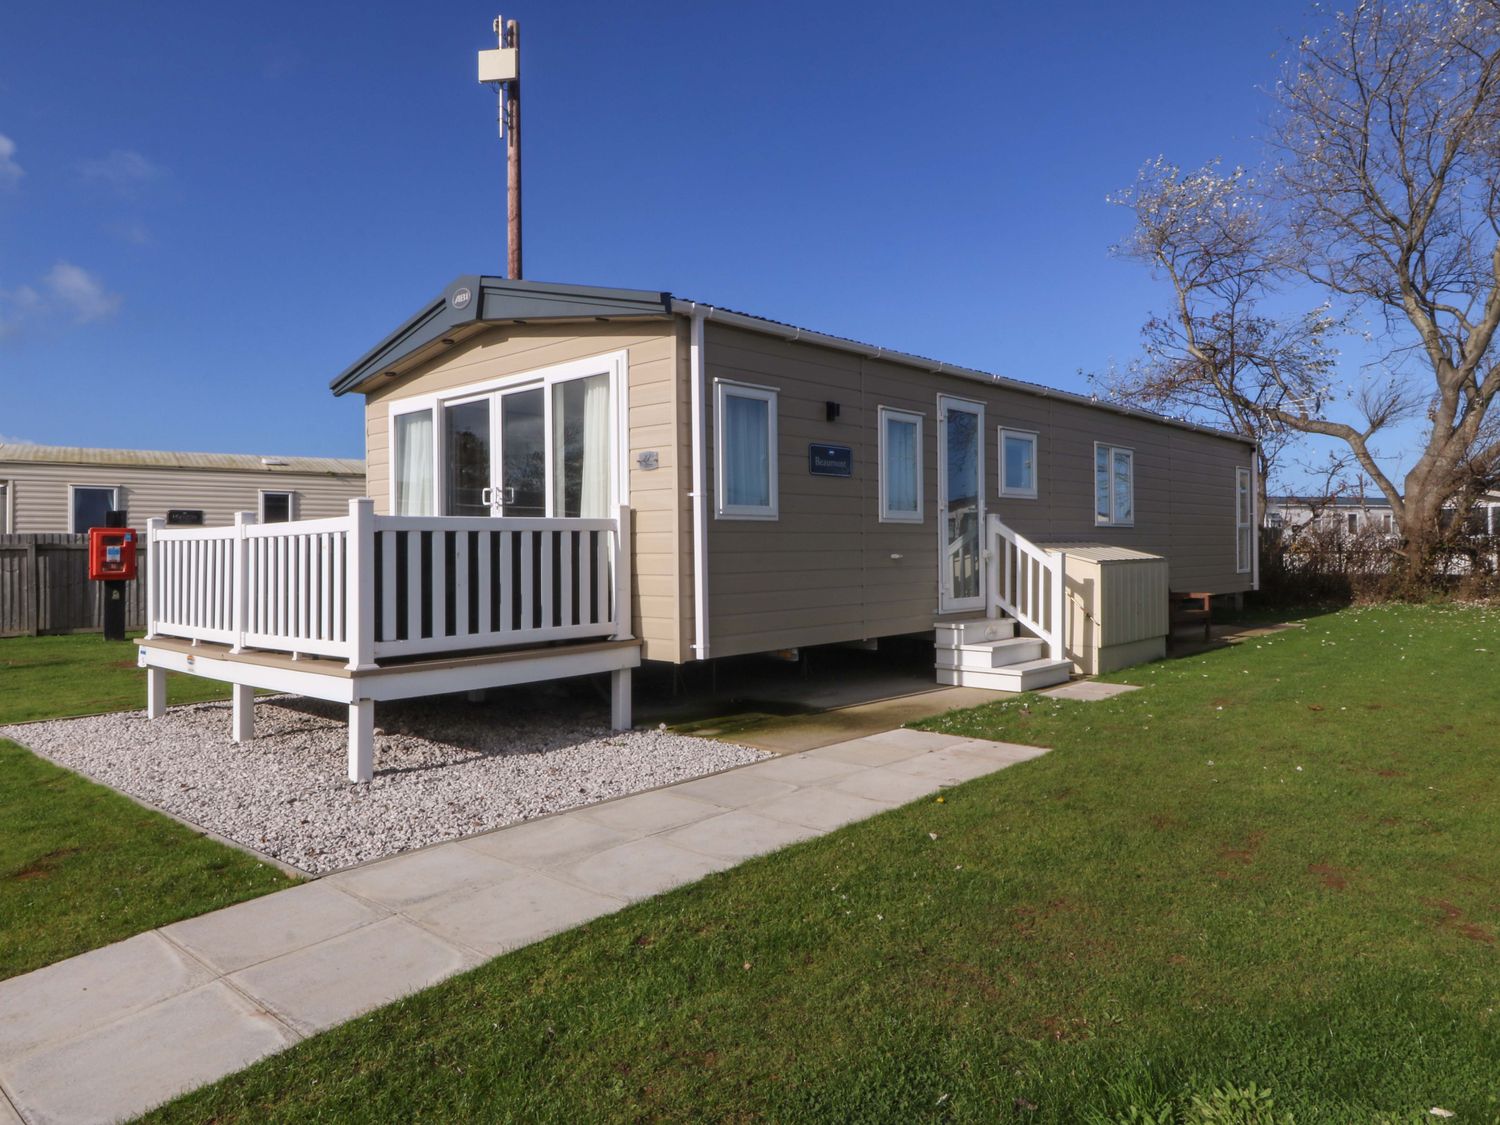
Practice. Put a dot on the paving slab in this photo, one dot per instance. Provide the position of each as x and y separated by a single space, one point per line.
642 868
1008 753
124 1068
863 752
950 767
889 785
548 842
64 1000
734 789
406 880
791 734
822 809
8 1114
325 984
802 769
646 813
739 835
914 739
508 915
263 928
1088 691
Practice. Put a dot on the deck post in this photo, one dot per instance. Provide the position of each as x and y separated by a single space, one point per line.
239 612
153 577
619 699
623 549
359 586
156 692
242 728
361 740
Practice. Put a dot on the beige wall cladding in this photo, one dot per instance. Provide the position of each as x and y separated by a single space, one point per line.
828 570
40 492
657 421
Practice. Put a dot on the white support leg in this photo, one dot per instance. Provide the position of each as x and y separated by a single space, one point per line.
156 692
362 740
243 713
619 699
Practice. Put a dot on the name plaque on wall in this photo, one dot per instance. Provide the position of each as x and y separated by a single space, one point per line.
830 460
185 517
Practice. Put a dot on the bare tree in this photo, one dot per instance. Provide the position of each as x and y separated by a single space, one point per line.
1216 357
1388 134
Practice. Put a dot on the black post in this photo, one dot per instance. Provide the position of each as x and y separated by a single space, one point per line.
114 592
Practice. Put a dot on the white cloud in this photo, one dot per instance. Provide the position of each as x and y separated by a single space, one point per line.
10 171
65 290
80 292
132 231
125 170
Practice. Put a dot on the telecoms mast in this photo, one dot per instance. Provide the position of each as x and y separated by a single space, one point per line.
501 68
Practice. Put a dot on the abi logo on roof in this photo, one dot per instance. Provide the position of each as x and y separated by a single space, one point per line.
461 298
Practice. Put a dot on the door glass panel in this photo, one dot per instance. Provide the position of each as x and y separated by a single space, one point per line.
961 481
466 433
523 453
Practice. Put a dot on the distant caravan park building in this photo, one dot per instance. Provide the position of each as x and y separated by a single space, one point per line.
67 489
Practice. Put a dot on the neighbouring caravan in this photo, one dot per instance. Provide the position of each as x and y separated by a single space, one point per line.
566 479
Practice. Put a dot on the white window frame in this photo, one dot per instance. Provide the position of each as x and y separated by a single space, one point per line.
291 503
723 388
884 414
1244 530
114 502
1007 490
1113 520
616 365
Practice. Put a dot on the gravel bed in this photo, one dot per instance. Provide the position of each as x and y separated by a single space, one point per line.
443 768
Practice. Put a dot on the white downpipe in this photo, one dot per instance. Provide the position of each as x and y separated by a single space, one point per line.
700 485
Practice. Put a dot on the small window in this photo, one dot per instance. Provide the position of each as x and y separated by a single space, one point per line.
900 466
1353 522
90 507
5 516
1114 486
745 427
1244 517
278 507
1017 463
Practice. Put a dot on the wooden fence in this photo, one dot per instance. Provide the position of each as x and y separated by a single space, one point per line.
45 587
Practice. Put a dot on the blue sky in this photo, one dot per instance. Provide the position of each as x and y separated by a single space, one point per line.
207 211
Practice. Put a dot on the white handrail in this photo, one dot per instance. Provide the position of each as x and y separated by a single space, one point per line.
1028 582
364 587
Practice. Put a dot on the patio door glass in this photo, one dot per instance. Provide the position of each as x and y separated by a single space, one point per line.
960 505
523 453
466 434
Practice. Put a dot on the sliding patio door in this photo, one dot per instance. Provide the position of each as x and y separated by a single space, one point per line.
522 462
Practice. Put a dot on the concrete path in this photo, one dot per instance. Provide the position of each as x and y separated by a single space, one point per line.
109 1034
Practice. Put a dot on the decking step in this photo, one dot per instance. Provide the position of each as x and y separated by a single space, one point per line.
953 634
1029 675
992 654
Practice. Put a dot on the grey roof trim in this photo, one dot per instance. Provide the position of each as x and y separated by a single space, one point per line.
938 367
495 300
16 453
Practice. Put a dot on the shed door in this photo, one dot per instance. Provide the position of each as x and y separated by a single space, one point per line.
960 505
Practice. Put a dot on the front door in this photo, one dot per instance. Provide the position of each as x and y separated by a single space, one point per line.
960 505
486 477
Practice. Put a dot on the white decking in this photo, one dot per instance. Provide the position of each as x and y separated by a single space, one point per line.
366 608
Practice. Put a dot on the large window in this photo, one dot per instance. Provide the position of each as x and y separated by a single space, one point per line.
1244 519
90 506
413 464
745 429
900 466
277 507
1017 463
581 447
1114 486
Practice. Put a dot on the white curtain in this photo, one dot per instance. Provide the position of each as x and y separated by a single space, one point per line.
901 465
747 462
595 500
414 464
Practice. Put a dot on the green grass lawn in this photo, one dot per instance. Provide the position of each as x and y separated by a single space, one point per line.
1277 867
81 866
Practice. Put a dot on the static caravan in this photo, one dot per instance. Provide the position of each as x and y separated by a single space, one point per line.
566 479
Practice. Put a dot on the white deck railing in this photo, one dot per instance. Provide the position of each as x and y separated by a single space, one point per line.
366 587
1027 582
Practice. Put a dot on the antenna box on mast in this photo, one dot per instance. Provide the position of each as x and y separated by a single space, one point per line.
498 65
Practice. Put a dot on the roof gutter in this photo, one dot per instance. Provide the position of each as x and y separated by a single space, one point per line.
936 367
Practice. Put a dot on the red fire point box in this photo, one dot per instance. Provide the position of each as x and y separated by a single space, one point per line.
112 554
